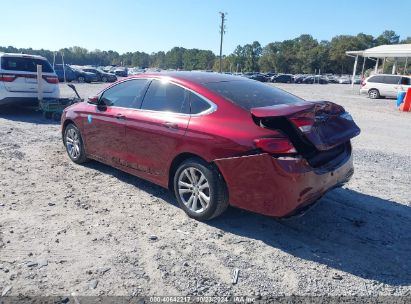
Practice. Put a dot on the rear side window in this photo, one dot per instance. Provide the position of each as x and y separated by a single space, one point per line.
251 94
392 79
379 79
25 64
167 97
198 105
127 94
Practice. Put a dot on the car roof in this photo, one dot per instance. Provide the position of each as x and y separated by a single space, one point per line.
195 77
22 55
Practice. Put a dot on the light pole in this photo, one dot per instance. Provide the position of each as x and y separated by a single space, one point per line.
222 32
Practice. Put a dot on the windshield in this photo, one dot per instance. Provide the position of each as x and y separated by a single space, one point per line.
250 94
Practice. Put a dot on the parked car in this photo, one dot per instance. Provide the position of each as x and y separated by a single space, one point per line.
122 72
299 78
283 78
74 74
18 79
101 75
385 85
315 79
344 80
258 77
216 140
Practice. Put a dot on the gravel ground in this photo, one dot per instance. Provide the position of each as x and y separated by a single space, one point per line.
95 230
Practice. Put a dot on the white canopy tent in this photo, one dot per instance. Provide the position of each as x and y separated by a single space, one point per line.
394 51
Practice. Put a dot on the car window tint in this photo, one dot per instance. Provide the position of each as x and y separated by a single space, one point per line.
25 64
127 94
198 104
379 79
165 96
250 94
391 79
406 81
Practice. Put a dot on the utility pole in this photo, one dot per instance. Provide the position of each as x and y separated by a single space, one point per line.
222 32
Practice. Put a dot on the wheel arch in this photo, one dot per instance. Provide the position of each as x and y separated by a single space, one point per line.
179 159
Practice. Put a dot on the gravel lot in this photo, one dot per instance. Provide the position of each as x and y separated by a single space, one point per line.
94 230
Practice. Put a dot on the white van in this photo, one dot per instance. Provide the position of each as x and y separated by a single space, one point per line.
18 79
385 85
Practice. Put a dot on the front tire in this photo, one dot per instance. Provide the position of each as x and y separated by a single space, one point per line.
74 144
373 94
81 79
200 190
104 79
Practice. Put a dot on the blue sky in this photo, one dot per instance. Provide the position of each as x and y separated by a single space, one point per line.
144 25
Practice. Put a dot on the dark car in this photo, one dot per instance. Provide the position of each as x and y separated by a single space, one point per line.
216 140
299 78
101 75
122 72
315 79
283 78
73 74
258 77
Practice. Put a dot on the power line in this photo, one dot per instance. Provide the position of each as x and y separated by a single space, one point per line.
222 32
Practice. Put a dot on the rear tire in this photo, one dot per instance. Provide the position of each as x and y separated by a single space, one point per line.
81 79
104 79
200 190
374 94
74 144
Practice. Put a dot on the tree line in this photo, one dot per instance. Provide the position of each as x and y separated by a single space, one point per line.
303 54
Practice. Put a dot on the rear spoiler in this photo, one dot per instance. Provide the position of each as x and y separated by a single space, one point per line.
281 109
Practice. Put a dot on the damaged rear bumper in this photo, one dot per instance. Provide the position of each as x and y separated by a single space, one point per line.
280 187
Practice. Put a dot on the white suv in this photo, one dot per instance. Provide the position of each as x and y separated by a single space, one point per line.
18 79
385 85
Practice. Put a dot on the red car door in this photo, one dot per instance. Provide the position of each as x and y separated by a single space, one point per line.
154 132
104 125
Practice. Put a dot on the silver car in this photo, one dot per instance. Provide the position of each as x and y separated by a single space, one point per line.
385 85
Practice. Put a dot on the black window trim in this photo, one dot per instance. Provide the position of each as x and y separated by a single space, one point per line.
213 107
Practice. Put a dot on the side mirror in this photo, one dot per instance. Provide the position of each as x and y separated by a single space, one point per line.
93 100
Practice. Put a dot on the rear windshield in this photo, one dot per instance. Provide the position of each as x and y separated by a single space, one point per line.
250 94
25 64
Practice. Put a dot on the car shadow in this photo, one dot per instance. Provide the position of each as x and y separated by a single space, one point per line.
360 234
30 114
363 235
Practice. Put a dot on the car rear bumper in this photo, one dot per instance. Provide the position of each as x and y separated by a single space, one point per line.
21 98
279 187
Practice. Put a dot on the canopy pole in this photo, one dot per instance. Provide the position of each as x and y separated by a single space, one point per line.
383 65
405 66
363 66
354 70
394 67
376 66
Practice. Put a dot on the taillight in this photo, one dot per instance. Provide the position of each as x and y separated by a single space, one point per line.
303 123
276 145
7 77
363 83
51 79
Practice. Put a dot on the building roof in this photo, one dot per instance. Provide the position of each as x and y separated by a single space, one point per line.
390 50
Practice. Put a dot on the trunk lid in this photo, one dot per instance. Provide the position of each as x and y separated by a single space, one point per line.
324 124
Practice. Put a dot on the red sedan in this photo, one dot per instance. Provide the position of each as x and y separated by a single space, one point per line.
216 140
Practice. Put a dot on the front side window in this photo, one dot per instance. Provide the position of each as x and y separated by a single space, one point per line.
405 81
166 97
250 94
25 64
127 94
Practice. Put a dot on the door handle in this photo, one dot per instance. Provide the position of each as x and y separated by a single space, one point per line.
170 125
120 116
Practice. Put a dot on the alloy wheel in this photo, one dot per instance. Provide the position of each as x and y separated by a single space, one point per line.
194 189
73 143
